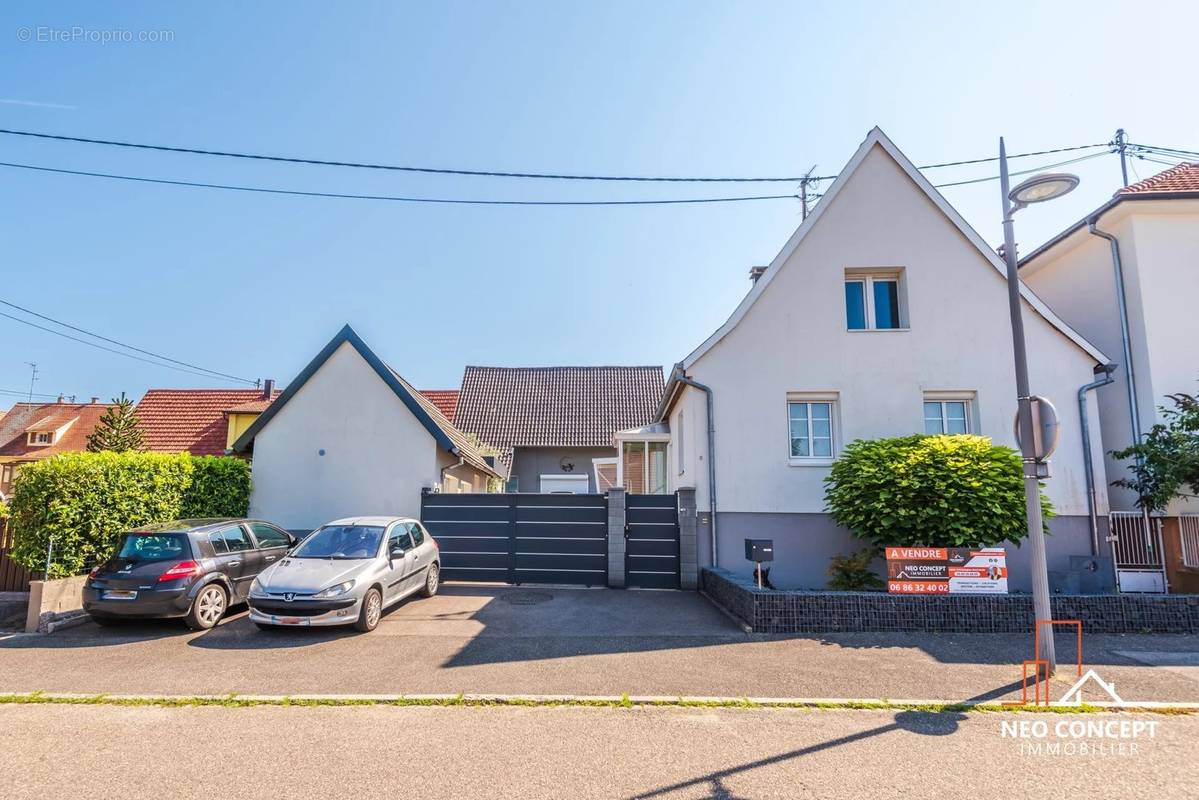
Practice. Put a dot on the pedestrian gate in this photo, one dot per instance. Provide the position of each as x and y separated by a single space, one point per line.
520 538
651 541
1137 548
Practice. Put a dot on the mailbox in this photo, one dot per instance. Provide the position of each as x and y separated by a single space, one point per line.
758 550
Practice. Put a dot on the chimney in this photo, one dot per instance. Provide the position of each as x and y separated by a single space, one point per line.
755 273
95 400
268 388
61 399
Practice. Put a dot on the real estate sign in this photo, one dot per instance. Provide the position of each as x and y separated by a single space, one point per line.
946 570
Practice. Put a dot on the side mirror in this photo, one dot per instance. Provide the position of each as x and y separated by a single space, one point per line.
397 552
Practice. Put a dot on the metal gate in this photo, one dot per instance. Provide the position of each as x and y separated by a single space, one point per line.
520 538
1137 548
1188 534
13 577
651 541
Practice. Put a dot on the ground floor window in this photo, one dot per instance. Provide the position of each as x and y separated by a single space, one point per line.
810 425
947 416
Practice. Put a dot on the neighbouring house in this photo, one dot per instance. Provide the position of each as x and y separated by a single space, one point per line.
1125 277
349 436
446 401
35 431
884 314
555 426
203 422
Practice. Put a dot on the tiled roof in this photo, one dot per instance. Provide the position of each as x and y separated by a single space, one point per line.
190 420
24 416
466 447
556 406
1182 178
252 407
446 400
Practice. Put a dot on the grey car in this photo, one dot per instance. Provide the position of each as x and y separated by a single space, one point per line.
347 572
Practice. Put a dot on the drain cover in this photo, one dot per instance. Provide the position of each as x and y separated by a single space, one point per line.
527 598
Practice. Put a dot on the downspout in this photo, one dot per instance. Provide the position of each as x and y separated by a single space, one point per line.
1129 372
1106 371
445 469
682 378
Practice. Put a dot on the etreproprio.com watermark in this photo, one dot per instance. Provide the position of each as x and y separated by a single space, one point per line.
77 34
1085 738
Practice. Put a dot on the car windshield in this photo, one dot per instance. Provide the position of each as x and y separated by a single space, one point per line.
341 541
154 547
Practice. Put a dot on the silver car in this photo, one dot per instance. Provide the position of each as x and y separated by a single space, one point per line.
347 572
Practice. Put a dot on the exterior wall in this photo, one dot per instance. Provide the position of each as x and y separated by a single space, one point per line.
463 478
376 456
530 463
794 339
237 425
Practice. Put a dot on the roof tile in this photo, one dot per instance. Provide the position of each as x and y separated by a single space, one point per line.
1182 178
193 420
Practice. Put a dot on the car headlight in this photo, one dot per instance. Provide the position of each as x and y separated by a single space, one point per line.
335 591
256 588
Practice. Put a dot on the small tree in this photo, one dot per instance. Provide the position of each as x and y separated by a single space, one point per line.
930 491
1168 458
117 429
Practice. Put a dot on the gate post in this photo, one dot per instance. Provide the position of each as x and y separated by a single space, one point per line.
616 538
688 543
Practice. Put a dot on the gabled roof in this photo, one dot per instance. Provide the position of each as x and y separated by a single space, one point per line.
446 401
14 438
441 429
191 420
877 138
556 406
1180 178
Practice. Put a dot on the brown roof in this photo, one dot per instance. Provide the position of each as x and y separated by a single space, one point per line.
469 451
1182 178
446 401
191 420
48 416
556 406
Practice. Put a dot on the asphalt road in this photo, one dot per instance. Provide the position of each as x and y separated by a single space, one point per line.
511 640
369 752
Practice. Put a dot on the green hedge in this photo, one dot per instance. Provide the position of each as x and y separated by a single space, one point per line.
942 491
84 501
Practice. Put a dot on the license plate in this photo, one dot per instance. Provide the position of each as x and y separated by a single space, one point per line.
291 620
114 594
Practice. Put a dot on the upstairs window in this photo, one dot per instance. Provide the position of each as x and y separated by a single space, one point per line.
41 437
874 301
947 416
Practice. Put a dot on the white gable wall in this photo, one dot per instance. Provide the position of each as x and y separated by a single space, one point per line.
377 455
794 339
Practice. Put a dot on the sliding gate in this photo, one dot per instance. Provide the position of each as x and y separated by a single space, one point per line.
1137 548
520 538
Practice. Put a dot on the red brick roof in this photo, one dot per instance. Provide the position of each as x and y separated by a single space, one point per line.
556 406
446 401
83 418
191 420
1182 178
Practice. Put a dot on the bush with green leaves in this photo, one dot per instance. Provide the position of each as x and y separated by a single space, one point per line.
220 487
930 491
1166 462
83 502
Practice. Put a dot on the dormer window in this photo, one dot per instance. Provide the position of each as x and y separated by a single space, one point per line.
41 437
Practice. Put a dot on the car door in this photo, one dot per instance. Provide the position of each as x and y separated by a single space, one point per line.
423 553
400 559
272 543
242 561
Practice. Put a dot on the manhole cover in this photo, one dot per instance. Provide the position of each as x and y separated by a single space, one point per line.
527 598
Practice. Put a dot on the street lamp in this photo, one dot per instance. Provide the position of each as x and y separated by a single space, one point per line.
1036 189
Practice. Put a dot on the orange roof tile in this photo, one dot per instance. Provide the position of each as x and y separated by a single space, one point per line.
14 439
446 401
1182 178
191 420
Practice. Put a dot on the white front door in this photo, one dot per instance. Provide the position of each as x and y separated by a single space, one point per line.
564 484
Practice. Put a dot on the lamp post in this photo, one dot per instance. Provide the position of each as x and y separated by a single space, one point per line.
1034 190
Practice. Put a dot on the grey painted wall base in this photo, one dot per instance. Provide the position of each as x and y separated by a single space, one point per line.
530 463
616 538
804 544
764 611
688 547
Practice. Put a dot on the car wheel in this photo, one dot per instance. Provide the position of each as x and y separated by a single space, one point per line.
432 580
105 622
372 610
208 607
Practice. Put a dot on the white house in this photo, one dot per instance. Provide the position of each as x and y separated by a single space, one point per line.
884 314
349 436
1152 262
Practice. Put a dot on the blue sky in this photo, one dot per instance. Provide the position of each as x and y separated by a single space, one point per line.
253 285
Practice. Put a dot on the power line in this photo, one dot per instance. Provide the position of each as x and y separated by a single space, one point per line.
213 372
1027 171
399 199
107 349
22 393
496 173
1164 150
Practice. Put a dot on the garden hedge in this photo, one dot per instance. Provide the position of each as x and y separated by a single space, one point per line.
83 502
930 491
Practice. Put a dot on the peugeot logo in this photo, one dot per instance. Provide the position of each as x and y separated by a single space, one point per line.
289 596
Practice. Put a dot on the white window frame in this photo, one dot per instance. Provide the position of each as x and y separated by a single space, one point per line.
571 480
967 398
832 399
35 438
867 278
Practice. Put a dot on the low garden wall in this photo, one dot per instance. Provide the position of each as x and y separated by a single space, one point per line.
55 604
766 611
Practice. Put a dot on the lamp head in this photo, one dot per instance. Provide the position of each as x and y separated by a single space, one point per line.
1040 188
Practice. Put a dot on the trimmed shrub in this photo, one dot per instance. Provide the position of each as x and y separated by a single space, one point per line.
930 491
850 572
220 487
84 501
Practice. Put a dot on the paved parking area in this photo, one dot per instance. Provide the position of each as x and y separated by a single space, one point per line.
529 640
